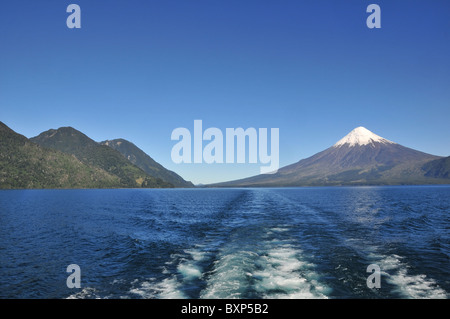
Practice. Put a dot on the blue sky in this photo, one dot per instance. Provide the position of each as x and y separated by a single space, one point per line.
139 69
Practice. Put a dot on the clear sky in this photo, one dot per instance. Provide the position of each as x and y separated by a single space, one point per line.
139 69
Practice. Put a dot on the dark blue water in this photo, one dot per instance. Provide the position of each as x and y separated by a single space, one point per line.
226 243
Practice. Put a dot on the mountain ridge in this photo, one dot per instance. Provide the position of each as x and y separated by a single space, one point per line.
439 168
67 158
360 158
71 141
24 164
142 160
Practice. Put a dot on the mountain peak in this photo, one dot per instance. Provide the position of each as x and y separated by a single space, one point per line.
361 136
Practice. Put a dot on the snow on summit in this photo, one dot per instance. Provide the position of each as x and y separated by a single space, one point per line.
361 136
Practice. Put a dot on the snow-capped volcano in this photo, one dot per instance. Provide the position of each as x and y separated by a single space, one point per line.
361 136
360 158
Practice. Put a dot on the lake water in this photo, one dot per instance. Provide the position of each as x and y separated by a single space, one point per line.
226 243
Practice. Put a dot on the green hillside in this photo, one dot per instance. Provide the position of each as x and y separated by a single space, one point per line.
71 141
24 164
139 158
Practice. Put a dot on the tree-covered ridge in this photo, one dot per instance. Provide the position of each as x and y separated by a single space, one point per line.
139 158
71 141
61 164
24 164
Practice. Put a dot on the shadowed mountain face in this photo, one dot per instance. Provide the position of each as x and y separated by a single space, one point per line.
24 164
439 168
70 141
360 158
139 158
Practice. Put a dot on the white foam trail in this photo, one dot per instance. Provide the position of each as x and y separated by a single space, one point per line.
86 293
280 229
169 288
196 255
410 286
230 277
275 271
284 275
189 271
190 268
